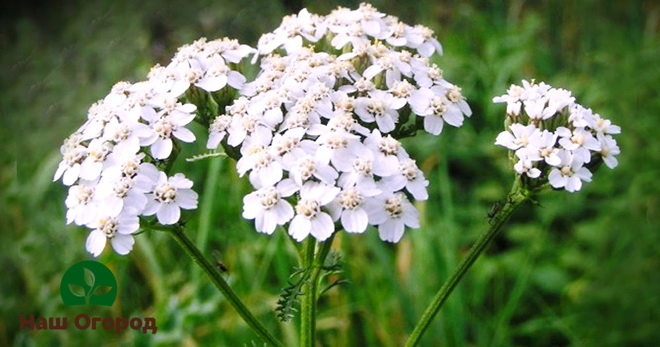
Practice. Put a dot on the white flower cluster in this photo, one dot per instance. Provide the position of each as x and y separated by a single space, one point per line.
317 131
555 138
323 129
344 27
109 162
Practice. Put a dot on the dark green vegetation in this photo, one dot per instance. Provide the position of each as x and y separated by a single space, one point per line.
580 269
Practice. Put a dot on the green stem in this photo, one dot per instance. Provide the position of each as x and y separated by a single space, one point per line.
312 260
517 196
308 304
222 285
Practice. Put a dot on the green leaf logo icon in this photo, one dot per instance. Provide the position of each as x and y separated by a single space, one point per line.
89 277
88 283
77 290
102 290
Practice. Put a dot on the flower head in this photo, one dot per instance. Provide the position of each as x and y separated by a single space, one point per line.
555 140
169 196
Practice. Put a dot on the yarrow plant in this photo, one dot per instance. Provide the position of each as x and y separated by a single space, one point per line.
553 142
317 133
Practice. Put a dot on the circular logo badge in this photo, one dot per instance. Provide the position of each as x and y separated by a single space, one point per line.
88 283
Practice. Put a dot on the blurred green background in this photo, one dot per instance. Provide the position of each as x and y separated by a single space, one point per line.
580 269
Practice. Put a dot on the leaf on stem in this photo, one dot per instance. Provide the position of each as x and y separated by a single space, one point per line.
289 298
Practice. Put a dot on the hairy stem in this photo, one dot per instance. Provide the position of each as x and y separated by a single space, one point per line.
517 196
222 285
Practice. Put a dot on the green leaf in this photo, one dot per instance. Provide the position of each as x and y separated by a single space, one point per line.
102 290
77 290
89 277
289 298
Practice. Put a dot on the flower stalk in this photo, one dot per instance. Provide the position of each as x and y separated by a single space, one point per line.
516 197
313 260
194 253
308 303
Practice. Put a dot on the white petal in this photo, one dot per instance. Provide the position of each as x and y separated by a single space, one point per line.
375 209
150 171
269 223
186 199
397 103
393 183
326 174
299 228
391 230
168 214
96 242
128 224
71 175
534 173
251 206
553 159
556 179
259 222
410 215
122 244
162 148
287 187
425 50
371 27
212 84
417 188
184 135
283 211
235 79
354 221
372 71
385 123
214 140
453 117
611 161
322 226
584 174
152 206
433 124
60 170
113 205
506 139
343 159
386 165
270 174
573 184
180 181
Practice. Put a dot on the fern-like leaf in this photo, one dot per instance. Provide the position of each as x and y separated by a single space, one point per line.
289 298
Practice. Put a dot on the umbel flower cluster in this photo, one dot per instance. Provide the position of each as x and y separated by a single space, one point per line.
552 138
316 131
115 163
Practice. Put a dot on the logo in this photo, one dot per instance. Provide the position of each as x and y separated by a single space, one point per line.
88 283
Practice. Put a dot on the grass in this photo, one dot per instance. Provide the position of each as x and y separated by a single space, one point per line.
580 269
